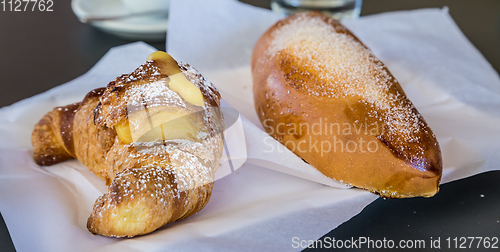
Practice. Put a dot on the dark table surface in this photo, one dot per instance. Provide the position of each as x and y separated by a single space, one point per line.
40 50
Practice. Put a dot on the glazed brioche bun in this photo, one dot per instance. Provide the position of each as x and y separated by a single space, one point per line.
325 96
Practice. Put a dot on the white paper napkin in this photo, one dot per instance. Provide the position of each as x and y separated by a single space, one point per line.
253 208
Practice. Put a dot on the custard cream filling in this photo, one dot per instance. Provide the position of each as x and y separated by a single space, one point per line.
178 81
166 124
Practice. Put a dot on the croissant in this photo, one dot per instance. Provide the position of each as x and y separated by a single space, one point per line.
324 95
153 135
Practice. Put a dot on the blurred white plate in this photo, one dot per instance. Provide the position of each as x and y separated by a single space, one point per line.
133 28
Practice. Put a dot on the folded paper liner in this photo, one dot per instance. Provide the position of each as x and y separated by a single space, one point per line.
260 204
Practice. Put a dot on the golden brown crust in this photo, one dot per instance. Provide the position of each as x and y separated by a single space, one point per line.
113 106
151 183
92 142
46 148
297 87
52 137
107 113
137 194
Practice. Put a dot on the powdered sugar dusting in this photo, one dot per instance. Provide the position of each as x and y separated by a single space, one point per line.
173 176
323 60
196 78
153 94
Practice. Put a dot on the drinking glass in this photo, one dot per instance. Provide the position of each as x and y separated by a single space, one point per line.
338 9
